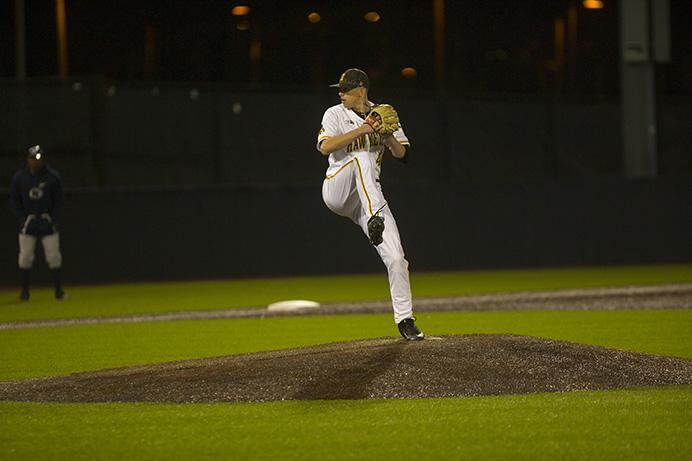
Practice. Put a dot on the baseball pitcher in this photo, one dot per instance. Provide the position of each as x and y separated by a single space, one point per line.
354 136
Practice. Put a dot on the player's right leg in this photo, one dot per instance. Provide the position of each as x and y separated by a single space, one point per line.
27 248
392 254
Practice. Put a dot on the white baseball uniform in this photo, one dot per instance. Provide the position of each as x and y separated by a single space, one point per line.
352 189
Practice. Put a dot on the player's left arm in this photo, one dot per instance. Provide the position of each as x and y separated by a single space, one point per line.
399 145
395 146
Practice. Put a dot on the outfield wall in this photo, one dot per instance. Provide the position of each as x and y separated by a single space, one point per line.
243 231
128 134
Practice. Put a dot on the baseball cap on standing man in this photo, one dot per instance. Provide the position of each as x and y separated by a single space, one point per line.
35 152
352 78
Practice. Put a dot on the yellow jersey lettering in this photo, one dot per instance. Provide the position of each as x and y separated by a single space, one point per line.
374 139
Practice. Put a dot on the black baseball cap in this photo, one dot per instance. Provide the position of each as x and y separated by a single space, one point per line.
35 152
352 78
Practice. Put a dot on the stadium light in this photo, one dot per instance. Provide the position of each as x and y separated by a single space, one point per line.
409 72
314 17
593 4
240 10
372 16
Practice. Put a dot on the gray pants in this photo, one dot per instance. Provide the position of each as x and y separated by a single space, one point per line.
51 248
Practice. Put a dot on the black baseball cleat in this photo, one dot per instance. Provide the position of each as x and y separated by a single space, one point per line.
375 229
24 296
410 331
60 295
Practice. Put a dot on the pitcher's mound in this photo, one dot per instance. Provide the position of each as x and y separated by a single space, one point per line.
458 365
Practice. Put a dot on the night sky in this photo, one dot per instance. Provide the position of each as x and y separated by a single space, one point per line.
490 45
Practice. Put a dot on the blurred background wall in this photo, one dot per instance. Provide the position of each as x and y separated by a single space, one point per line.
103 135
185 135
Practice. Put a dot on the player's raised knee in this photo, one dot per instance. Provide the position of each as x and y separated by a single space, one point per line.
330 202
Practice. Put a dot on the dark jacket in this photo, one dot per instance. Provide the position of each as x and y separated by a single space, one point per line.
36 200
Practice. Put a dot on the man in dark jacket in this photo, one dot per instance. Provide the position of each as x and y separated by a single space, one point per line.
36 197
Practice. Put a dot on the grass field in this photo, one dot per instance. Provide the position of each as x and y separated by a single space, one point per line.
627 424
108 300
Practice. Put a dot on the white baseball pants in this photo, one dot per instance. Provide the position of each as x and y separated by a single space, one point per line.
51 249
354 192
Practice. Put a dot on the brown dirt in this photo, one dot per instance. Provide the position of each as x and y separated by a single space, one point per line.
457 365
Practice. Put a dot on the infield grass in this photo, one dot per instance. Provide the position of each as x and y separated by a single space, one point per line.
123 299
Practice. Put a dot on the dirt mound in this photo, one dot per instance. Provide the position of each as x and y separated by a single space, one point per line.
458 365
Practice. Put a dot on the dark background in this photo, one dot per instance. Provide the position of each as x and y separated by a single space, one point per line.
183 157
490 45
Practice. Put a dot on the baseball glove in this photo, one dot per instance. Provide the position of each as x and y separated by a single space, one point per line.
383 119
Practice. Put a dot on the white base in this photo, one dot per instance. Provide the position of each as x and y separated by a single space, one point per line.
293 305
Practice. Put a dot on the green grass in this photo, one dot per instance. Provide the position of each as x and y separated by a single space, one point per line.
638 424
627 424
121 299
